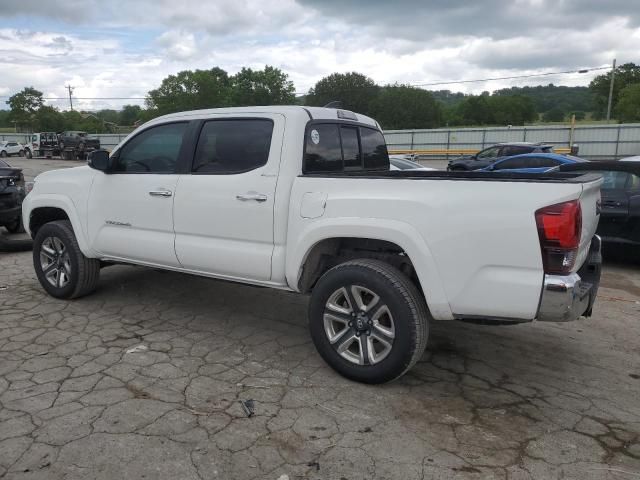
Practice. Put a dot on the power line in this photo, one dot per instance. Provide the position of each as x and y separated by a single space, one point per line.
584 70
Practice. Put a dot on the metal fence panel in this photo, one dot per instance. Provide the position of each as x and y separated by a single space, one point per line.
594 141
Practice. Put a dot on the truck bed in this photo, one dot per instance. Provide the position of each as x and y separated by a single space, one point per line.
553 177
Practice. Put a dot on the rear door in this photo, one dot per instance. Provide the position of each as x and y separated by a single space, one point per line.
223 210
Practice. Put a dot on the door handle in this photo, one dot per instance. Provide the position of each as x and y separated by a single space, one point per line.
258 197
160 193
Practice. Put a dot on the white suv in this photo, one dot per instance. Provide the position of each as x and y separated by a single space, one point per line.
8 148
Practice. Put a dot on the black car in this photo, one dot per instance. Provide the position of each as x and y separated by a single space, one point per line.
620 199
486 157
12 192
620 217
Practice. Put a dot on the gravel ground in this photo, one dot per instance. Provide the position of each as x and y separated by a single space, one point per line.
144 379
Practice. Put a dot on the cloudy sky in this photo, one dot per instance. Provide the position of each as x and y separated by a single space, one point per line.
124 48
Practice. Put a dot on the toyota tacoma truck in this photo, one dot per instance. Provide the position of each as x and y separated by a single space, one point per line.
303 199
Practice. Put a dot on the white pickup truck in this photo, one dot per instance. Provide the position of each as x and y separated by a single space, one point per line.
302 199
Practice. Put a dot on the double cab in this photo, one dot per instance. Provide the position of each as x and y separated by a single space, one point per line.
303 199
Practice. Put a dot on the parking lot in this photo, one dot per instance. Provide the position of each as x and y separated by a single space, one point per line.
145 379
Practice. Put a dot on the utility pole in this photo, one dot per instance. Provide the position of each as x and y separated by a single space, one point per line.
613 76
70 88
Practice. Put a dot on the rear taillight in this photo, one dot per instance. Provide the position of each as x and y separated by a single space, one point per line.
559 229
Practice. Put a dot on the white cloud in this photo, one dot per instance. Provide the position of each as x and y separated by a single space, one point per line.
123 49
178 45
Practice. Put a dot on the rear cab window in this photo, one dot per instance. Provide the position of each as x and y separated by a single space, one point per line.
343 147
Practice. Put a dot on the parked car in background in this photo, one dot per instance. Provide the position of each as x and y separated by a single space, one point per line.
8 148
398 162
12 193
620 199
486 157
76 144
531 163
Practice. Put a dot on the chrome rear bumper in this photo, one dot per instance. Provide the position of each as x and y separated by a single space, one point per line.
568 297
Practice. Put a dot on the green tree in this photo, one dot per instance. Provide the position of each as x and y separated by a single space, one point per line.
628 106
553 115
24 105
474 110
4 119
511 110
626 74
580 115
47 119
354 90
270 86
108 115
191 90
129 114
403 107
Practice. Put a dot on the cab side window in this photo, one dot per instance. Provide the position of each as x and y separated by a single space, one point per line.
323 152
155 150
330 147
233 146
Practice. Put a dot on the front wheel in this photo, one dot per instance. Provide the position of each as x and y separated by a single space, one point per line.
3 154
368 321
62 269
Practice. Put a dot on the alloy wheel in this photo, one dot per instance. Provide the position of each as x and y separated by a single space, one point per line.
55 262
359 325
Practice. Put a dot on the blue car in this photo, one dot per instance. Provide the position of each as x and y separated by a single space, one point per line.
531 163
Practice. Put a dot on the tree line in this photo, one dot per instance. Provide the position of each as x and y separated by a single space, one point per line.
395 106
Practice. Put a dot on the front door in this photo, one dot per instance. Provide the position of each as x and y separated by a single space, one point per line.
130 211
224 208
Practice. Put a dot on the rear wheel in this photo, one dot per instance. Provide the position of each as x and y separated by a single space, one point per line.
62 269
368 321
21 153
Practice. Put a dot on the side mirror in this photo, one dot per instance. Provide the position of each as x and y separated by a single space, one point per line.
99 159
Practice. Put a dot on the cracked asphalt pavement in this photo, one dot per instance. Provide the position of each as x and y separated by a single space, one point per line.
144 379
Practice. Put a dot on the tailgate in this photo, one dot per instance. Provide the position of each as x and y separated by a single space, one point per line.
590 204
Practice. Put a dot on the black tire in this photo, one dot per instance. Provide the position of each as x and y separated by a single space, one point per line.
28 153
21 153
3 154
408 315
16 226
84 272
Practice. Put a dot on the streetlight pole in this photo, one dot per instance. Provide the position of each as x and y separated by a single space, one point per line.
613 76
